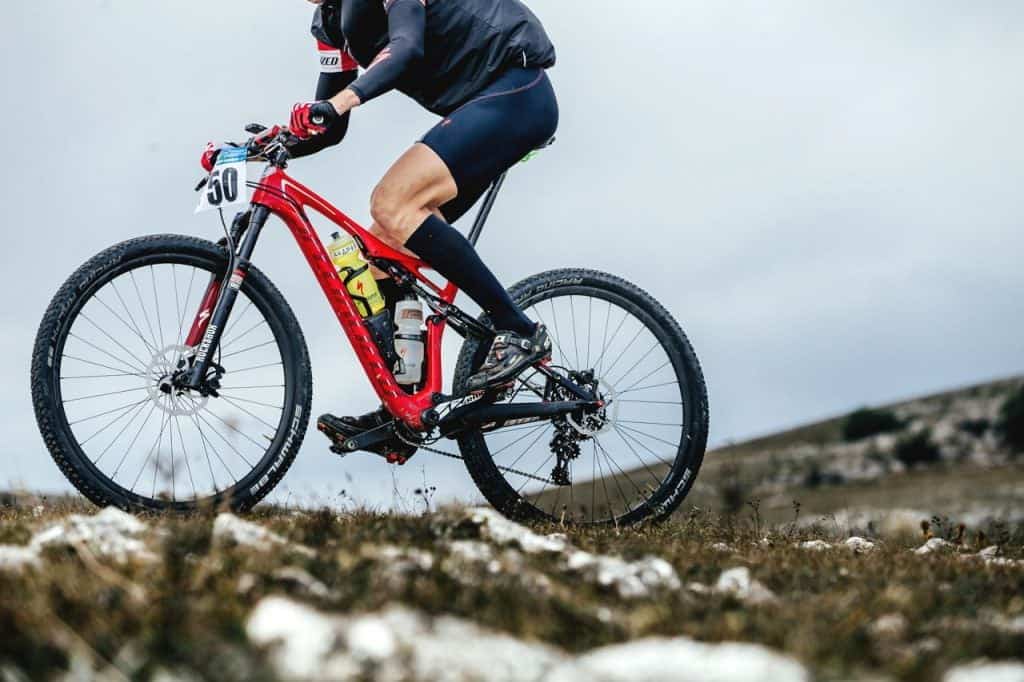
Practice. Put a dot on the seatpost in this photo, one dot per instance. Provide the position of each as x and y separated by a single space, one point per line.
485 209
226 301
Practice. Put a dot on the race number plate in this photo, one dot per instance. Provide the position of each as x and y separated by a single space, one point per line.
226 184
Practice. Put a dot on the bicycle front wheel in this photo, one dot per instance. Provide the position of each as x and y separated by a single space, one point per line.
638 457
102 382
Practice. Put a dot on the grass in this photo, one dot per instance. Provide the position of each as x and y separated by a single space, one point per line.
187 610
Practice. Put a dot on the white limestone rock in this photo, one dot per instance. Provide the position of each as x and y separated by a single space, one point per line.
229 529
739 583
15 559
502 531
859 545
681 660
111 533
630 579
983 671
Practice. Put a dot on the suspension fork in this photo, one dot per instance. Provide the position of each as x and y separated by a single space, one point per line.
225 297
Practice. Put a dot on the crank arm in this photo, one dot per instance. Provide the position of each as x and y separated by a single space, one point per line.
367 439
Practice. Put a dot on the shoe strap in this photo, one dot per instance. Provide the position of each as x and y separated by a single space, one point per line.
512 340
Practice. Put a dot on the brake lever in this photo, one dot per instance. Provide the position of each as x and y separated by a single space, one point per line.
202 183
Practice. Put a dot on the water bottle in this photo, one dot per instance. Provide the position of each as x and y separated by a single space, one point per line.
355 273
409 341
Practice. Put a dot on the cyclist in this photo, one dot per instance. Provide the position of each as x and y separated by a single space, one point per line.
480 65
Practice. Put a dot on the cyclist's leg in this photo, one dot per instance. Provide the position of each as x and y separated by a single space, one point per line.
404 205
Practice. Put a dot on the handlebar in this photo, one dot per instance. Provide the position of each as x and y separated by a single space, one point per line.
266 144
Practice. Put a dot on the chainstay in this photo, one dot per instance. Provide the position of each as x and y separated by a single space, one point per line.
452 455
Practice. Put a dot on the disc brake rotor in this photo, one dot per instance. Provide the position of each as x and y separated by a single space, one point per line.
159 383
595 423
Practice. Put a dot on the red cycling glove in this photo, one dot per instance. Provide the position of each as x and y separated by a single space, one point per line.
312 118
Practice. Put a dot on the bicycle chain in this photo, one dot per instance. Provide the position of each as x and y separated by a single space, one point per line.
452 455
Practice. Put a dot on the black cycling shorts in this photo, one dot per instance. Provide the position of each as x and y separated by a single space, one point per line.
486 136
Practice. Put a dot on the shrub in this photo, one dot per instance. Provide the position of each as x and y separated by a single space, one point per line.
1011 421
976 427
866 422
815 477
917 449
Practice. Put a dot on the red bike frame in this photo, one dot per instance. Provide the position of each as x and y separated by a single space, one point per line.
289 199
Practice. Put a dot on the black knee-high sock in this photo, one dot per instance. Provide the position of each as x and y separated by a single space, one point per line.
391 292
452 256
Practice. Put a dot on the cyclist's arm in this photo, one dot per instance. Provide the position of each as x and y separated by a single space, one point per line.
337 71
407 22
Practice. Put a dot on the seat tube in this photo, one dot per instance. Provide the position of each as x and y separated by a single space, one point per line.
226 301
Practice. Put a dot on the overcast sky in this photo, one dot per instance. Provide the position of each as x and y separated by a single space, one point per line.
829 196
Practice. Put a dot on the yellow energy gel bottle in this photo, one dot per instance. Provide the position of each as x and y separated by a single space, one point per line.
355 273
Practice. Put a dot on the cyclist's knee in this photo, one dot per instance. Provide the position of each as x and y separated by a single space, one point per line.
396 219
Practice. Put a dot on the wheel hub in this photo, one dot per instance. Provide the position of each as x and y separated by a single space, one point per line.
164 366
596 422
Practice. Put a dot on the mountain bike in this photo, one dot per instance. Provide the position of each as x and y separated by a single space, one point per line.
169 373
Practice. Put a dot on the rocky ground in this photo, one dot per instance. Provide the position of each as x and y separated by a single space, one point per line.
463 594
946 458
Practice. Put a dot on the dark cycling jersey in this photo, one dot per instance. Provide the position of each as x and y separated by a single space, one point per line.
439 52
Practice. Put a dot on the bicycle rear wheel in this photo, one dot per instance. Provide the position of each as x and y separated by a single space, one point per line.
639 456
104 359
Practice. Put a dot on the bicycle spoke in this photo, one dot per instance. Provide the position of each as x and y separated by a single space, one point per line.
188 465
246 350
235 319
156 299
647 376
644 388
623 434
636 421
207 442
228 344
264 422
534 473
628 346
126 364
133 373
615 479
131 445
156 443
104 395
647 435
128 410
221 436
604 338
554 339
138 410
106 412
255 367
575 344
643 463
532 443
518 440
145 313
185 308
234 428
120 319
657 344
615 334
279 408
135 325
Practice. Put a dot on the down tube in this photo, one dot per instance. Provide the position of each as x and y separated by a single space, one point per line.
403 406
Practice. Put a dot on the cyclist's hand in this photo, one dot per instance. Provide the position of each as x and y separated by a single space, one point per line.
209 156
312 118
